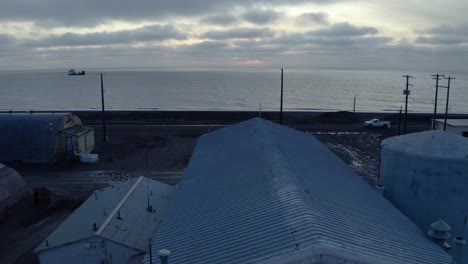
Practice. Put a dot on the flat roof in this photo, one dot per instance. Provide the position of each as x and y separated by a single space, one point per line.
77 130
454 122
433 144
259 192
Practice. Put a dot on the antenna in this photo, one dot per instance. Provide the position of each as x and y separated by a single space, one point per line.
149 208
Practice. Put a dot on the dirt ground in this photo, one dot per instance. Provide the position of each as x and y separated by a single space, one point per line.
149 151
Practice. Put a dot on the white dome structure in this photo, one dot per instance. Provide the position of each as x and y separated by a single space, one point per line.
426 177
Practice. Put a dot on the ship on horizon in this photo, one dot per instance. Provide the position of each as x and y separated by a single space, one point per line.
73 72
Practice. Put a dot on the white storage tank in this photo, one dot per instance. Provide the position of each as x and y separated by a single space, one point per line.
426 177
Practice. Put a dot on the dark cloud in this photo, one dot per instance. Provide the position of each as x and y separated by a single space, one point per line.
6 39
456 30
53 13
205 47
147 33
239 33
343 36
443 35
313 18
365 43
261 17
442 40
344 30
223 20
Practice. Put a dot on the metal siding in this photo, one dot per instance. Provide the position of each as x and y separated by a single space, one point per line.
30 137
258 192
134 229
76 253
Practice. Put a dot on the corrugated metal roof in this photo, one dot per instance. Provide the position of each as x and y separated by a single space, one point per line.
258 192
435 144
30 137
127 199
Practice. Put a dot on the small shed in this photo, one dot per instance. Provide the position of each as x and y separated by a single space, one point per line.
258 192
456 126
112 226
12 187
43 138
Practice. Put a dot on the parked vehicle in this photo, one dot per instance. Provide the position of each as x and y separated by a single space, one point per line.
377 123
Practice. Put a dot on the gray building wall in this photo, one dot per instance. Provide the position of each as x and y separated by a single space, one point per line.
459 130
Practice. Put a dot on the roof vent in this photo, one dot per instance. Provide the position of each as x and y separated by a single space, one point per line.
380 189
439 233
458 243
164 255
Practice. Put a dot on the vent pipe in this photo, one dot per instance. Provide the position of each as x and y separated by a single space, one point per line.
439 233
381 189
458 243
164 255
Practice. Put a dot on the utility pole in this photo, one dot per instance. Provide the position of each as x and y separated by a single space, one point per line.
354 105
447 103
406 92
281 103
437 78
399 121
103 110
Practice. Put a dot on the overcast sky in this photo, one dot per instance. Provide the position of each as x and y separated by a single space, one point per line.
361 34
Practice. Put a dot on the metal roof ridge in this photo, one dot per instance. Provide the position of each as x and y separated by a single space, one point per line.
118 206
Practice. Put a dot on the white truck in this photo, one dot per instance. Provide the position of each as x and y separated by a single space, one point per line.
377 123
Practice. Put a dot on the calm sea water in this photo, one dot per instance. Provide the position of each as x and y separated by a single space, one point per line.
228 89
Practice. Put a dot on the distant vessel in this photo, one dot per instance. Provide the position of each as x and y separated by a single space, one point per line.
73 72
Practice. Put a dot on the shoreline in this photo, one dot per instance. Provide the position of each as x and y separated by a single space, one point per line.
231 117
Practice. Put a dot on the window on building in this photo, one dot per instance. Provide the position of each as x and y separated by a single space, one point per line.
465 134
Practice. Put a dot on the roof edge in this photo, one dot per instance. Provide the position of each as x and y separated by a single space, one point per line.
118 206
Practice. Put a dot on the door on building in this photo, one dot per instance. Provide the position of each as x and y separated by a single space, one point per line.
68 144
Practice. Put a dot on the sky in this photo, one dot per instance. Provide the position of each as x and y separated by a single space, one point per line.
338 34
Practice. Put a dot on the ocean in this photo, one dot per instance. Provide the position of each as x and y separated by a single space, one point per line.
229 89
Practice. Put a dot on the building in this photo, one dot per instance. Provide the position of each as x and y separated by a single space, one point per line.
43 138
426 176
112 226
12 187
258 192
456 126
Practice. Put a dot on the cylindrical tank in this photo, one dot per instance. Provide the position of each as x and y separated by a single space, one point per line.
426 177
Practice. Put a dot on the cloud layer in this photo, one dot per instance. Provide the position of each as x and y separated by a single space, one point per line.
270 33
